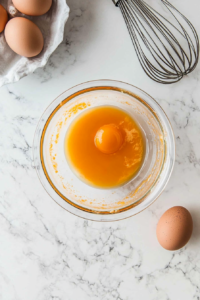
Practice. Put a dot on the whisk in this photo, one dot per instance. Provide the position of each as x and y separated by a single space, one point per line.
166 46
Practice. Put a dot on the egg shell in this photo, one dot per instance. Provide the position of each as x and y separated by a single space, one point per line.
3 18
24 37
174 228
33 7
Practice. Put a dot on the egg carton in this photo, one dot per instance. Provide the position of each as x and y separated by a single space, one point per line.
13 67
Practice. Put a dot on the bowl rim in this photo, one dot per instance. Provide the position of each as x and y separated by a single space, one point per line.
94 216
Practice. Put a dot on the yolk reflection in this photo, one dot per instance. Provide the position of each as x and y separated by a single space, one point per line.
104 147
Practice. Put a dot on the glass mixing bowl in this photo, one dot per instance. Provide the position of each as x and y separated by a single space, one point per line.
75 195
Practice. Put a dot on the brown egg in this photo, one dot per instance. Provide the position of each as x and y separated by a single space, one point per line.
33 7
174 228
24 37
3 18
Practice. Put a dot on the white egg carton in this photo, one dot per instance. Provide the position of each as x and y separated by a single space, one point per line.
12 66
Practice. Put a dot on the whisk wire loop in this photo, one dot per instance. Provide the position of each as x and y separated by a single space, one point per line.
165 49
143 59
155 21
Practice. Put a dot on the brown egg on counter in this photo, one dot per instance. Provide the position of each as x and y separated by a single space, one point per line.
174 228
33 7
3 18
24 37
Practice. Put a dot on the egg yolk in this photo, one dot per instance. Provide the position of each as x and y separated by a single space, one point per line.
108 139
104 147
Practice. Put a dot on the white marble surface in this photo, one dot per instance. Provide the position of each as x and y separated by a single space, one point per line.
45 252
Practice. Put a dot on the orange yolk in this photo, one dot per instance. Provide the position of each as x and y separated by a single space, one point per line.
104 147
108 139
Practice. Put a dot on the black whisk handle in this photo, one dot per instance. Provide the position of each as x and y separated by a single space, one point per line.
116 2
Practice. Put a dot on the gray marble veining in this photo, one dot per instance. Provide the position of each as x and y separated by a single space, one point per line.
49 254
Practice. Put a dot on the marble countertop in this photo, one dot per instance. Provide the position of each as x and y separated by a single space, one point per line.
45 252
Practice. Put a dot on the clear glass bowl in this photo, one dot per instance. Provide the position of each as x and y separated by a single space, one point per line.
84 200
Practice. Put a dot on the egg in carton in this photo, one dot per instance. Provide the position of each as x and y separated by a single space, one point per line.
52 24
30 8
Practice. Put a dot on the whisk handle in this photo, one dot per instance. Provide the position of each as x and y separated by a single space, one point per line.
116 2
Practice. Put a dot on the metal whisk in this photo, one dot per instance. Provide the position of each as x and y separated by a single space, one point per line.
167 47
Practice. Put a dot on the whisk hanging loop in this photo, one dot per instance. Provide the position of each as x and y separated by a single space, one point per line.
167 47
